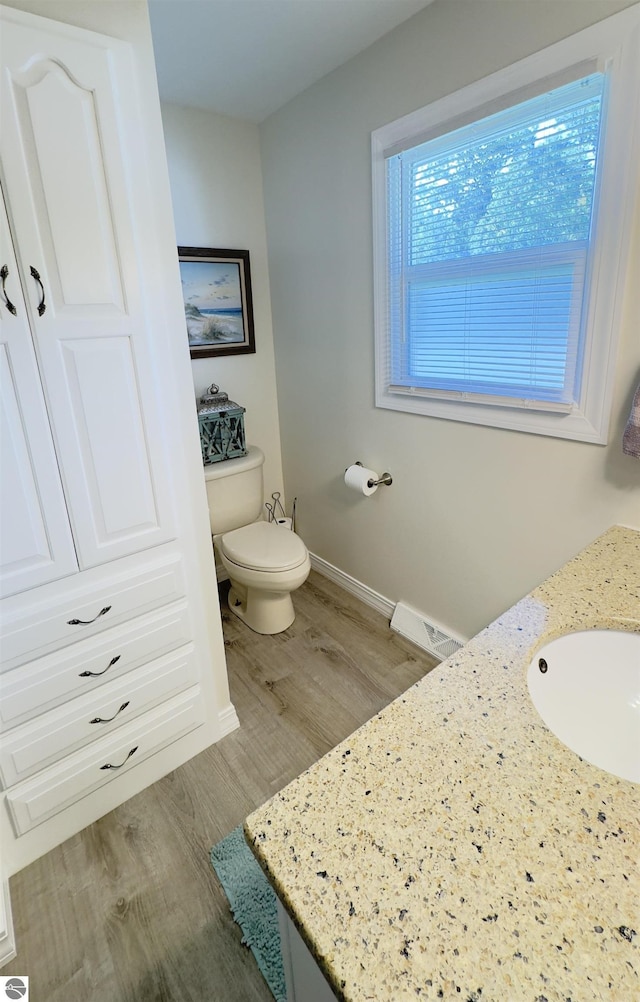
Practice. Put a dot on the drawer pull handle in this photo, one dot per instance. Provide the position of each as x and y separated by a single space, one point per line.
87 622
36 274
94 674
4 274
107 720
108 765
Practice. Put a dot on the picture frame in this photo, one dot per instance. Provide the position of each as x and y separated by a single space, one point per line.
216 291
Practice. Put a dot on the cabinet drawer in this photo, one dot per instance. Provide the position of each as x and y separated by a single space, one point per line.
44 741
50 681
49 618
56 788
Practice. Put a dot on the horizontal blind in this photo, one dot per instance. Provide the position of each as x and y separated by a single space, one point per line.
488 237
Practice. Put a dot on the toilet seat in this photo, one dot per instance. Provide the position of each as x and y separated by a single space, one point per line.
264 546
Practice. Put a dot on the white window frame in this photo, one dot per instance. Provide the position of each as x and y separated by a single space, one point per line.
613 45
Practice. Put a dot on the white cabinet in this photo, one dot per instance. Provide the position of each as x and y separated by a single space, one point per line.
91 656
113 667
79 607
67 176
54 735
35 537
51 790
46 682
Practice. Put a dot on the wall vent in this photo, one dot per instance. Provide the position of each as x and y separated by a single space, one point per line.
432 637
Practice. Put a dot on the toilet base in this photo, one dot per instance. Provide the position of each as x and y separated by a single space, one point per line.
262 611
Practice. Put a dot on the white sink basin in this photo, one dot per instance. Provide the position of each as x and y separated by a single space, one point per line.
586 688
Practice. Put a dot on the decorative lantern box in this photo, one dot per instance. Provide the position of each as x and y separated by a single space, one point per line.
221 427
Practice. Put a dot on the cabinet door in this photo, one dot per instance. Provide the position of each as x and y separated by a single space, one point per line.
72 172
35 537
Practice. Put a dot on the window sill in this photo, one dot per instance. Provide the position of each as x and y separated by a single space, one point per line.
573 425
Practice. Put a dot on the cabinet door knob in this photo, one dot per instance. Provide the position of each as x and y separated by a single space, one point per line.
4 274
36 274
87 622
94 674
108 765
107 720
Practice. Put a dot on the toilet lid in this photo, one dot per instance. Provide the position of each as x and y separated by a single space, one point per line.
264 546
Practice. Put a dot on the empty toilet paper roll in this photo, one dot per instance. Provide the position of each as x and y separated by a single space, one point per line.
357 479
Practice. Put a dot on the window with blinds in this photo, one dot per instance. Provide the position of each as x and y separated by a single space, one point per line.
500 231
489 230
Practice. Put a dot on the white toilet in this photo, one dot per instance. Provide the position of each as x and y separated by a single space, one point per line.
265 562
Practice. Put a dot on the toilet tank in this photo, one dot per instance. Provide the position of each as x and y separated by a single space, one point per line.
235 491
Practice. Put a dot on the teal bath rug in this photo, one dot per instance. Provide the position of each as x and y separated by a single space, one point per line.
253 905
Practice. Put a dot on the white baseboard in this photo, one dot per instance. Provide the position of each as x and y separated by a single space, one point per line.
228 720
7 938
411 623
352 585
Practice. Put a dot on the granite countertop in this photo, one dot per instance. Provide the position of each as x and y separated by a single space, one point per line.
452 847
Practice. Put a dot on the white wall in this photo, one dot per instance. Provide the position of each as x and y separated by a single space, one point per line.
476 517
216 184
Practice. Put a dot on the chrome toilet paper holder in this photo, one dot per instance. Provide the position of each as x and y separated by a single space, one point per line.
385 479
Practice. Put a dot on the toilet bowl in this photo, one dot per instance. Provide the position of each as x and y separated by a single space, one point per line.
265 562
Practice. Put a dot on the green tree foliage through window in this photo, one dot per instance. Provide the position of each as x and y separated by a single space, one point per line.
529 186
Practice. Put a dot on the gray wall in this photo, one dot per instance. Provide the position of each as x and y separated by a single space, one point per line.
476 516
216 188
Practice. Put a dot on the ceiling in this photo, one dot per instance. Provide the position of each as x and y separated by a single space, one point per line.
247 58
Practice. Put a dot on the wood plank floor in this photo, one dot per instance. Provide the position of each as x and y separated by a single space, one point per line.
129 910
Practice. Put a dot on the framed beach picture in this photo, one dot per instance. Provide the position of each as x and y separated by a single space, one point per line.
216 291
